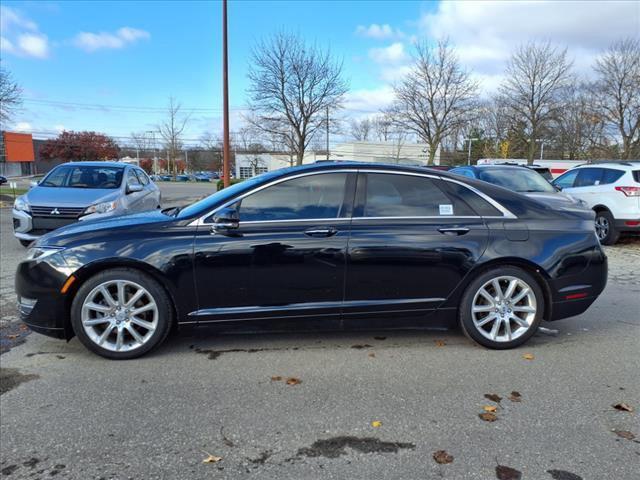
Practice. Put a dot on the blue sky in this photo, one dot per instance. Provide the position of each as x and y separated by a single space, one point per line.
137 54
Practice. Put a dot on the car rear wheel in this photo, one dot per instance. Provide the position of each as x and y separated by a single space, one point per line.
26 243
605 228
121 314
502 308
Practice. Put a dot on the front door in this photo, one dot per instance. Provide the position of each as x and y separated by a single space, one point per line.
286 258
412 242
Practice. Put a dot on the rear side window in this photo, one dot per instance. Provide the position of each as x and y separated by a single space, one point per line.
308 197
390 195
610 175
588 177
479 205
636 175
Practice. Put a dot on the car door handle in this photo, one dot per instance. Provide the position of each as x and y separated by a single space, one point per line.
321 231
454 230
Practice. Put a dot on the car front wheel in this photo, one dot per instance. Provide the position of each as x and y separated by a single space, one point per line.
121 314
502 308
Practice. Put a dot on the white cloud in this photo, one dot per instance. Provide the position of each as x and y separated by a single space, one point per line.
394 53
369 101
486 32
23 127
122 37
59 128
21 36
378 32
34 45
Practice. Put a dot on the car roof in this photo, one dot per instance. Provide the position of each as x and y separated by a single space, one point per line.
97 164
351 164
619 165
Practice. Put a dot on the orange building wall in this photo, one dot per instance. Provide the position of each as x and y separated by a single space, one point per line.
18 147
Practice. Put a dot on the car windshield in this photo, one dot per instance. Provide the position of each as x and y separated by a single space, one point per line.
84 176
516 179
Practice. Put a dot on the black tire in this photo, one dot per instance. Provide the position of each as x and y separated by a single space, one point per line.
612 233
466 316
155 290
26 243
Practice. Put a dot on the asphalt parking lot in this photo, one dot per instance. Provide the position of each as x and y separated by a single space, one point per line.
66 413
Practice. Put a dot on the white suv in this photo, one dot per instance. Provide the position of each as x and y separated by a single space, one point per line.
612 190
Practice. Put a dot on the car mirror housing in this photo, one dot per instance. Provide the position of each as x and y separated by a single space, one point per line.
226 219
135 187
33 183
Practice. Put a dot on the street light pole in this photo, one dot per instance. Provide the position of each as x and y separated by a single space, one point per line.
225 96
469 154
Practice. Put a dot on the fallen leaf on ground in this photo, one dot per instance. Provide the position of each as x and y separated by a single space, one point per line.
623 407
211 458
440 343
624 434
441 456
493 397
507 473
488 417
376 423
515 396
12 337
489 408
276 378
293 381
528 356
372 355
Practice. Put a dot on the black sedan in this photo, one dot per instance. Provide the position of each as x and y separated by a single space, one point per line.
346 244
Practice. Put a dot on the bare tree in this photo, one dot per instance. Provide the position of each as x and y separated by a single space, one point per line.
618 92
436 97
171 130
383 127
211 143
360 129
535 75
10 96
143 142
292 87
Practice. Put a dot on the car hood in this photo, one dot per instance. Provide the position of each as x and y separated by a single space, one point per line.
555 199
67 233
70 197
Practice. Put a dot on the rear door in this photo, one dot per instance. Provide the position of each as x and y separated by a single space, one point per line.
412 242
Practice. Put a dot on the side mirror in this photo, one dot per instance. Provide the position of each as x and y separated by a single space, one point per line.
134 187
225 219
33 183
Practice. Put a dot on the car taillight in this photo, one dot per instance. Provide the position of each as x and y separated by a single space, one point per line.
629 191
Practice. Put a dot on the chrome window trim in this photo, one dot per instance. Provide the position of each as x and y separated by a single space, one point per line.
506 213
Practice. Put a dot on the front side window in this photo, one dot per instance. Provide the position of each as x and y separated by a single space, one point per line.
144 180
390 195
588 177
83 176
566 180
309 197
132 178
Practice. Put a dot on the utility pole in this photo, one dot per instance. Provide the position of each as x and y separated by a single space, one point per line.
327 132
225 96
469 154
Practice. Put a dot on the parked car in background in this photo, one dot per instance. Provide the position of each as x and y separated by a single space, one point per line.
82 191
520 179
201 177
612 190
545 172
3 180
440 167
334 244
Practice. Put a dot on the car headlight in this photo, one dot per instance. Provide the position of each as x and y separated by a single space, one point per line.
40 253
21 204
103 207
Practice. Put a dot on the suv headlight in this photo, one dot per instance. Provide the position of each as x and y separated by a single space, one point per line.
21 204
103 207
40 253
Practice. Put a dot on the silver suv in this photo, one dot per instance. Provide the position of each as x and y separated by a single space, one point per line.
80 191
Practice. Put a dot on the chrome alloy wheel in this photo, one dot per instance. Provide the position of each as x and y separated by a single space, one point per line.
119 315
602 227
504 308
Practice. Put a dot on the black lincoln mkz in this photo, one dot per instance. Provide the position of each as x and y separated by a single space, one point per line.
345 244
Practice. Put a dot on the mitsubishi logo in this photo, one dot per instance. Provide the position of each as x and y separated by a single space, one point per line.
55 211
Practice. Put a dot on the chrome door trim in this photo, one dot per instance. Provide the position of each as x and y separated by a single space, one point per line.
506 213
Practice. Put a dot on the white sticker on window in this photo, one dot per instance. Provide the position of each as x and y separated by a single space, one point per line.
446 209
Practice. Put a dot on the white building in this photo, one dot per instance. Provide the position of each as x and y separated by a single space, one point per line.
248 165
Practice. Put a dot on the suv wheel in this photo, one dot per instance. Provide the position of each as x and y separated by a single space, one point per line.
121 314
502 308
605 228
